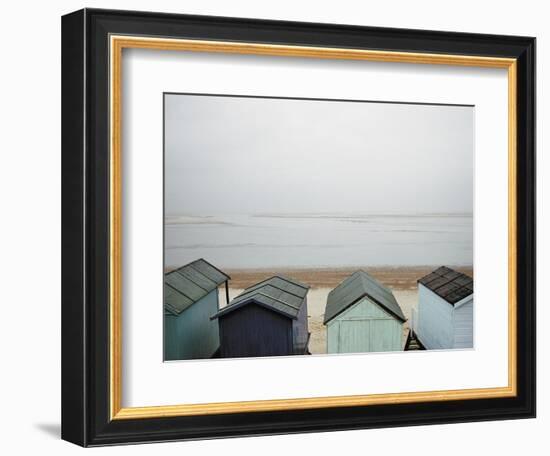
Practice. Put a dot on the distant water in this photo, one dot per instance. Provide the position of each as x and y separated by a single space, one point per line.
320 240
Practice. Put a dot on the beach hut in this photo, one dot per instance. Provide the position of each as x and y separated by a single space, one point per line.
266 319
361 316
444 318
190 298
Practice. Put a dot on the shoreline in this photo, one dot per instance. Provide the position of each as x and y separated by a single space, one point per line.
394 277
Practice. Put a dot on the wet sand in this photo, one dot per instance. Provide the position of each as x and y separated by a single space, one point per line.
401 280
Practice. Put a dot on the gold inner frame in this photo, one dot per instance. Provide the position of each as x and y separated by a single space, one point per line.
117 44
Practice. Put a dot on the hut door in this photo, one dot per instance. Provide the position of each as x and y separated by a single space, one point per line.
354 336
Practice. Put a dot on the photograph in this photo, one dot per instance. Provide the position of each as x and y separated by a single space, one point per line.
298 226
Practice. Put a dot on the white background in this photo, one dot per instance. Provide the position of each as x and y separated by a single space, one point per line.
30 241
148 73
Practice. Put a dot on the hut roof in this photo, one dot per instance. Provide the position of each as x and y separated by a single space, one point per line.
354 288
451 285
278 293
188 284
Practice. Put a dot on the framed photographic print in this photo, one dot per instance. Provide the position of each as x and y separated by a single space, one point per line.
276 227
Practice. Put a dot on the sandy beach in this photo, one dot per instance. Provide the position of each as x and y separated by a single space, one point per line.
401 280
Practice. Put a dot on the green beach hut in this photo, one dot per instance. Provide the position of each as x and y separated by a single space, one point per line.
190 299
361 316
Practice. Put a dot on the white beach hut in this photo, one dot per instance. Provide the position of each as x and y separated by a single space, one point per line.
444 318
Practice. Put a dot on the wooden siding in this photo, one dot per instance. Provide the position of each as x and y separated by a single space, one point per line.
463 321
191 334
171 348
300 330
434 320
364 327
253 330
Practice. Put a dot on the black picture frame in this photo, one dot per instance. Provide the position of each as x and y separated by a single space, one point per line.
85 228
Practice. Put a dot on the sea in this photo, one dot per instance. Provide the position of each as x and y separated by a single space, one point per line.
319 240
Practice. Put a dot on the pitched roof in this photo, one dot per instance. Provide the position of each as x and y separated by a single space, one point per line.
354 288
190 283
278 293
451 285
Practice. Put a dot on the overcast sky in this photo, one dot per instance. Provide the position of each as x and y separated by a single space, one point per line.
257 155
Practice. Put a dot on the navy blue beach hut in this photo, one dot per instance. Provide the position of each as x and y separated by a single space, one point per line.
190 299
266 319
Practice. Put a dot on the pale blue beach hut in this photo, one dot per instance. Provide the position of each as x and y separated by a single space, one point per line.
190 299
362 315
